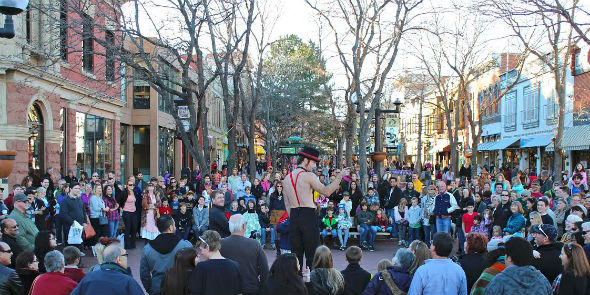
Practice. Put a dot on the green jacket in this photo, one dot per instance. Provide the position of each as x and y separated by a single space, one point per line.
27 231
327 223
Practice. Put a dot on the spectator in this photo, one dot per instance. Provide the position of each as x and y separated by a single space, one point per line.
9 233
574 278
586 236
516 222
444 204
324 278
240 186
183 222
201 217
502 211
176 279
44 243
284 277
72 209
283 230
266 227
112 211
98 209
421 254
344 225
54 282
217 220
247 253
149 215
128 203
543 208
365 220
251 220
572 228
473 262
519 277
27 268
547 251
355 277
27 231
450 276
10 283
383 264
72 256
395 279
215 274
114 269
495 259
41 207
158 255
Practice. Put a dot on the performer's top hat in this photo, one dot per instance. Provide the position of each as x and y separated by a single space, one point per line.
310 153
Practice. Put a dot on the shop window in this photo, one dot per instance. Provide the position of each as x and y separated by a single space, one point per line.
94 144
141 150
166 152
141 94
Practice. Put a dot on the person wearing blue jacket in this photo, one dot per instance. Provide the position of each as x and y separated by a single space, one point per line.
398 275
516 222
283 230
201 217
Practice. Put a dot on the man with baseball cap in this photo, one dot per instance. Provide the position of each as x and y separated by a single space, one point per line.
299 186
27 231
547 252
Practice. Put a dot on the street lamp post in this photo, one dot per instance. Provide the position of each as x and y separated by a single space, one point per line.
10 8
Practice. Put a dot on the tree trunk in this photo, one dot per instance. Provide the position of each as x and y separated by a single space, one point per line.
340 148
557 156
350 134
418 167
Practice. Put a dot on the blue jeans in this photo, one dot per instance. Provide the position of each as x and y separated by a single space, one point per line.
198 233
414 234
325 233
343 235
263 236
113 226
443 224
429 231
367 233
59 230
461 236
394 230
183 234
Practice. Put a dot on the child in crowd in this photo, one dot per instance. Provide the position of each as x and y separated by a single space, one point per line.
72 256
183 188
175 205
346 202
165 209
535 218
480 225
355 277
400 218
265 226
415 215
242 205
467 220
283 230
382 221
233 210
344 225
365 220
330 224
183 222
248 196
383 264
251 219
190 201
496 233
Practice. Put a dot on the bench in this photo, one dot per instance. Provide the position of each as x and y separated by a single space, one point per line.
355 234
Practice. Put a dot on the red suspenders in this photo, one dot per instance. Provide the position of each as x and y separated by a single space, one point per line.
295 186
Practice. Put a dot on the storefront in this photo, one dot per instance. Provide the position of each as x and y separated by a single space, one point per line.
166 151
575 146
94 144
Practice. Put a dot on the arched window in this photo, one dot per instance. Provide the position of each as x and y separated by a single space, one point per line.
35 141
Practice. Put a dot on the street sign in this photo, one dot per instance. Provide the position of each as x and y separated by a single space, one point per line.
183 112
288 150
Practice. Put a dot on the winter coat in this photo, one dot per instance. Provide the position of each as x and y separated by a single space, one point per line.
27 231
252 222
319 285
201 217
72 209
344 221
473 264
522 280
182 220
401 278
27 276
414 215
10 283
571 285
218 222
333 223
515 223
283 229
277 202
355 279
157 258
264 220
57 282
364 216
549 264
501 214
110 279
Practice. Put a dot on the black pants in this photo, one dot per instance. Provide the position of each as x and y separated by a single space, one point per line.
304 234
130 220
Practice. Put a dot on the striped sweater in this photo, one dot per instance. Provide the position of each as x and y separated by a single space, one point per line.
479 288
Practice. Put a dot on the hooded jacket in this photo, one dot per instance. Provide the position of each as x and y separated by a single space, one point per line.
401 278
522 280
549 264
157 257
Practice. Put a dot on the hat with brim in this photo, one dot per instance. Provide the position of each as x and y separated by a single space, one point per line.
310 153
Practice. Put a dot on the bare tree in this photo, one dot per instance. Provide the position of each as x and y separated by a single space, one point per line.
367 35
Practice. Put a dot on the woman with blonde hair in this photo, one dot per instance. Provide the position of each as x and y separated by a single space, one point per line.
574 278
324 278
535 219
421 253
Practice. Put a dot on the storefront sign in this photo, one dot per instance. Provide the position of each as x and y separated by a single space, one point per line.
183 112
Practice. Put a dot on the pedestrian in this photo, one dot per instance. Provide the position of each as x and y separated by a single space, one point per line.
98 210
128 203
516 222
248 253
395 279
519 277
10 283
27 231
444 205
421 254
298 186
112 212
158 254
355 277
547 251
215 274
344 225
9 230
217 220
367 232
324 278
284 277
574 278
27 268
473 261
72 209
45 242
41 208
450 276
176 279
54 281
113 269
72 256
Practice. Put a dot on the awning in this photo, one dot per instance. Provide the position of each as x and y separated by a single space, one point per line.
259 150
541 140
485 146
503 144
574 139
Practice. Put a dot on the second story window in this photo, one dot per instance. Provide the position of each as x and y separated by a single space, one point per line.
87 44
530 112
110 59
141 94
510 111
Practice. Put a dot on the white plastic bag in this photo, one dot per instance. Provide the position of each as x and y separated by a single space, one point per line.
75 234
121 238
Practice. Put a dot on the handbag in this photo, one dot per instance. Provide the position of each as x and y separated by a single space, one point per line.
89 232
102 219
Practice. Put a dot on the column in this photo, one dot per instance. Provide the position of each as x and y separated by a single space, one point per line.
539 161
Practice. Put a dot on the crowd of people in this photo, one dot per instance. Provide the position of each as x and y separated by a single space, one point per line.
505 233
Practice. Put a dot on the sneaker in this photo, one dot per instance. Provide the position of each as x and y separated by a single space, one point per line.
342 248
371 249
82 254
273 247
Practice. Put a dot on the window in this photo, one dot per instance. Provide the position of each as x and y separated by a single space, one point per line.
510 111
28 25
141 94
551 110
94 144
87 44
530 113
169 77
166 153
63 31
110 59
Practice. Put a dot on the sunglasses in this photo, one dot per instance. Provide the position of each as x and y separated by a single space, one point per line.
204 242
6 251
125 255
542 231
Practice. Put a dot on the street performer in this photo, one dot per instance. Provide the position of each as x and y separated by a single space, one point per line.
298 187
